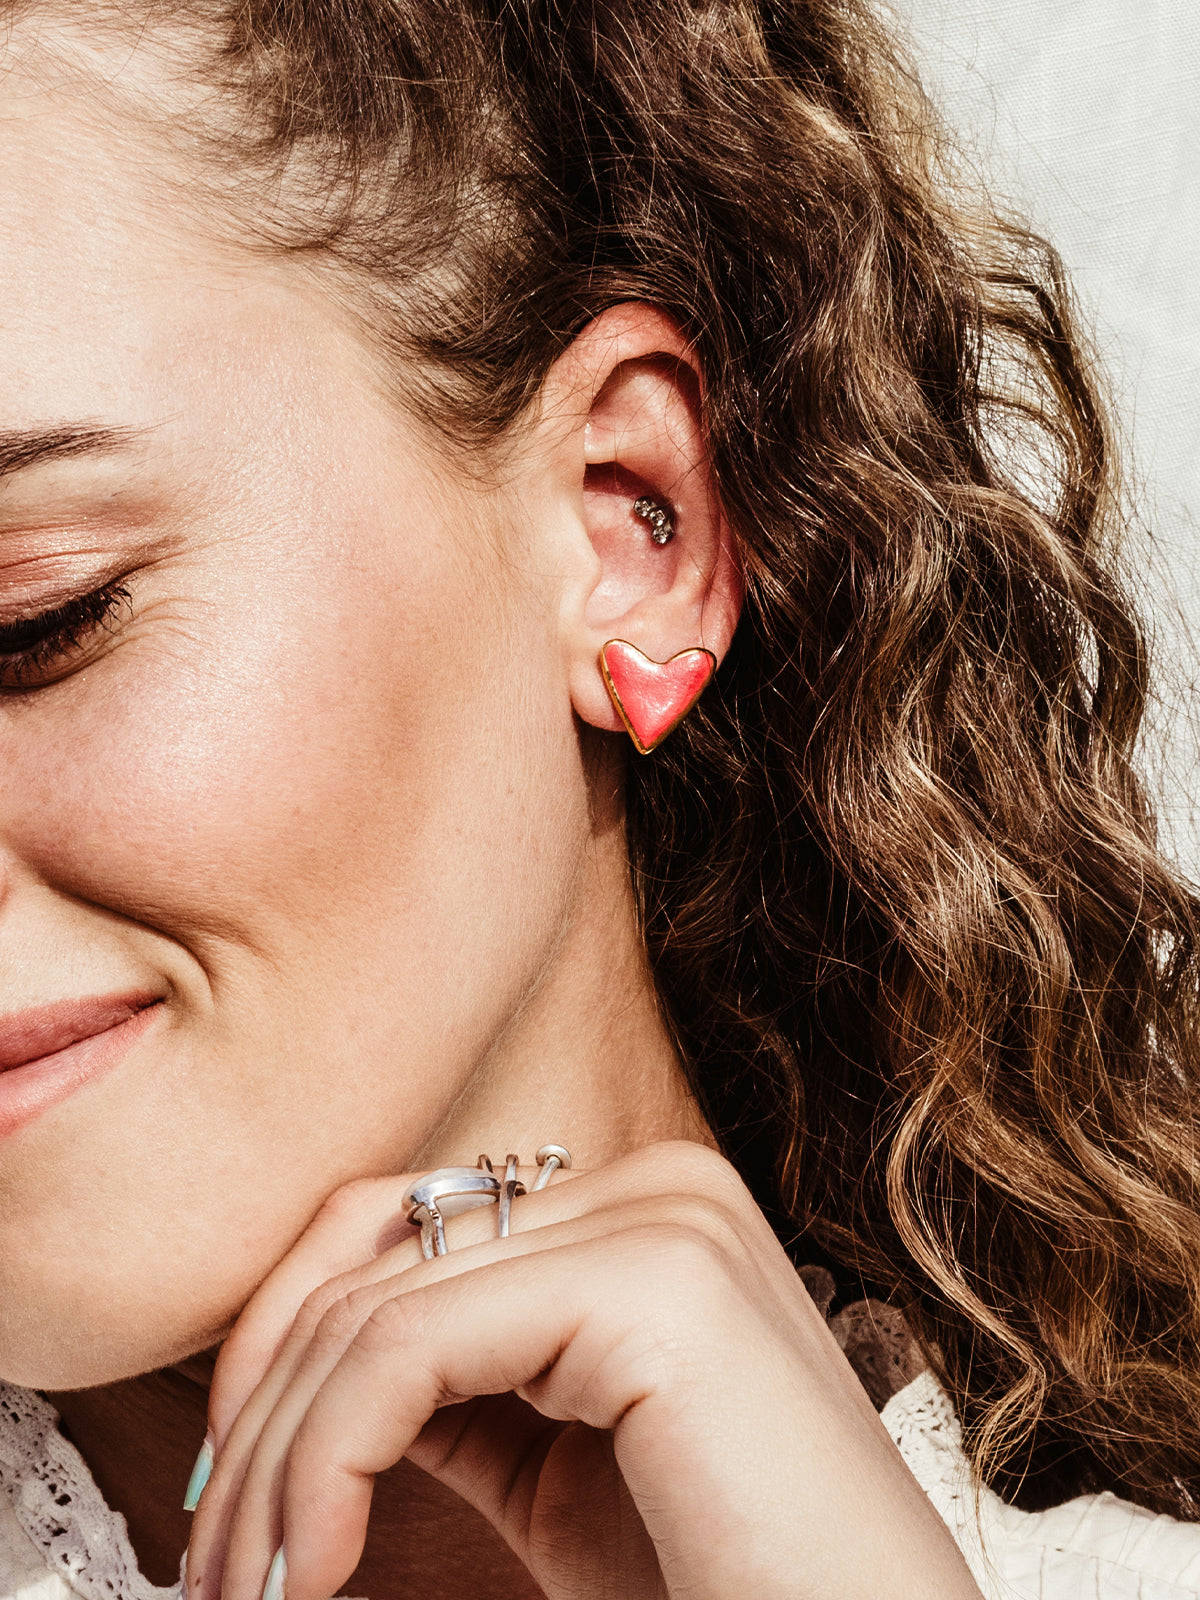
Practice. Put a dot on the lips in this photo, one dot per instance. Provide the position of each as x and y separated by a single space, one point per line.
47 1053
40 1031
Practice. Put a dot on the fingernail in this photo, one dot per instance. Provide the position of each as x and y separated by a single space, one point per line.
201 1473
276 1578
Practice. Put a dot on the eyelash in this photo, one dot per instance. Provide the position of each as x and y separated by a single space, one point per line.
34 644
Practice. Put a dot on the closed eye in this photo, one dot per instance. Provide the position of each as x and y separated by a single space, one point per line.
36 649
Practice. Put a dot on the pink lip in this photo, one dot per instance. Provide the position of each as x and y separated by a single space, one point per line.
47 1052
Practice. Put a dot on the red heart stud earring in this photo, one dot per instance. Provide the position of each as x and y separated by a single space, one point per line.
652 697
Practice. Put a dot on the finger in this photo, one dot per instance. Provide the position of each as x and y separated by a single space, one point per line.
567 1487
259 1360
360 1222
628 1186
233 1484
569 1490
629 1334
492 1331
237 1519
363 1221
238 1522
360 1235
376 1400
362 1227
357 1223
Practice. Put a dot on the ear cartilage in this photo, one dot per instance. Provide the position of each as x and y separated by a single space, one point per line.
658 516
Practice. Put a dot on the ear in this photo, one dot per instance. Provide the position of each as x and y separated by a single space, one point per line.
628 394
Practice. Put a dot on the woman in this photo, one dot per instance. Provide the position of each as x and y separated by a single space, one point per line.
388 388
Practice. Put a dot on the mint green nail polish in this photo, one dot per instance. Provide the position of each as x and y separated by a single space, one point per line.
276 1578
201 1473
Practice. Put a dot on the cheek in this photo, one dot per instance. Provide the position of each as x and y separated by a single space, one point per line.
175 794
355 789
312 823
220 773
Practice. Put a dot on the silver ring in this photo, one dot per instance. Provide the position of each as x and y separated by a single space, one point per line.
550 1157
443 1194
451 1190
509 1189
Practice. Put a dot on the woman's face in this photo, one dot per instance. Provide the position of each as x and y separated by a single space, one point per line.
313 787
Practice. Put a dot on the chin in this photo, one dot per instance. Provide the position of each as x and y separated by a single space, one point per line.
61 1341
83 1365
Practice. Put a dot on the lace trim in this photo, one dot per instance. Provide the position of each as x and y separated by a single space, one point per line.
922 1421
60 1508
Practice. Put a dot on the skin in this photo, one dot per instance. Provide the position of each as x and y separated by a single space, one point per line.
339 786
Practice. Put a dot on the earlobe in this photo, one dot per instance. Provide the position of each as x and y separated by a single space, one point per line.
653 697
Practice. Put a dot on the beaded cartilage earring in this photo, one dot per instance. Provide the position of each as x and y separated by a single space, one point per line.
658 516
652 697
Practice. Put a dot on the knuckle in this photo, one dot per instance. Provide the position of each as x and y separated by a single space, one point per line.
694 1167
706 1226
686 1250
721 1227
719 1177
393 1322
314 1306
350 1201
343 1315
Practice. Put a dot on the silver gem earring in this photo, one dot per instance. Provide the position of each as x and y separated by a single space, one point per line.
658 516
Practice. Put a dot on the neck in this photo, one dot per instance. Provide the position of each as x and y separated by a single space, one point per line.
587 1062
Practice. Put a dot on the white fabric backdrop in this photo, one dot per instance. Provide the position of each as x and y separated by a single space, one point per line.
1088 113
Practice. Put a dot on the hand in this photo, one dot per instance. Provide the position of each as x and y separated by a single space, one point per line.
668 1359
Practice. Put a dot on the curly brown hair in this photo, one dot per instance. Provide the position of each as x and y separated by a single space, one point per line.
933 980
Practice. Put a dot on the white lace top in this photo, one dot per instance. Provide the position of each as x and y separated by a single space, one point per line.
1093 1548
59 1541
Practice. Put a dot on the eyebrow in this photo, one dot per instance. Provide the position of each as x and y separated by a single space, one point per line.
28 447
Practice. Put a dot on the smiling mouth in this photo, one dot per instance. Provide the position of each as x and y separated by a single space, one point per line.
48 1052
40 1032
